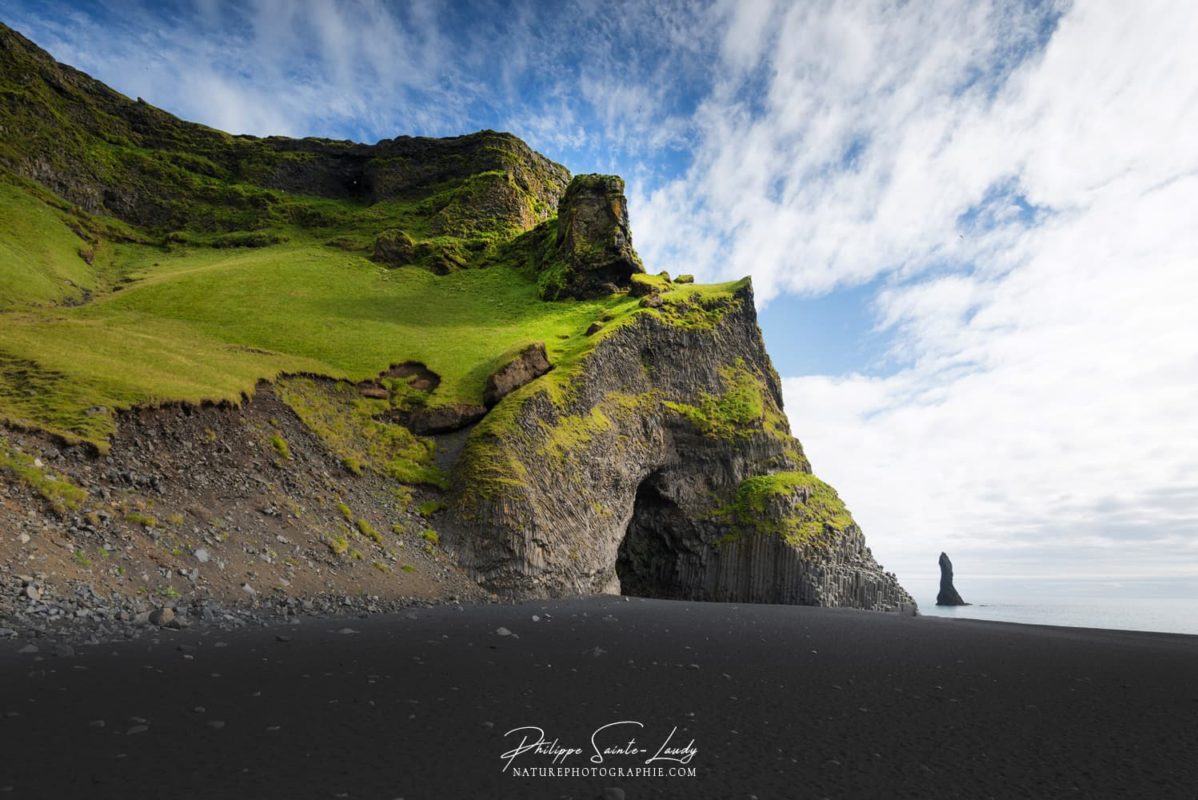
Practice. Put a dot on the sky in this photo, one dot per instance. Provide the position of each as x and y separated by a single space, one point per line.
971 226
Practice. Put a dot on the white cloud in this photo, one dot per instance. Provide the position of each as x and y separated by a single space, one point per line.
269 67
1045 419
877 85
747 29
607 87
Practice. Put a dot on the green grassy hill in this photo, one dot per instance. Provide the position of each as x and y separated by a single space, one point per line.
146 260
389 293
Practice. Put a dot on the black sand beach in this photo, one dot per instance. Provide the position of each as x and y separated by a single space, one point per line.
780 702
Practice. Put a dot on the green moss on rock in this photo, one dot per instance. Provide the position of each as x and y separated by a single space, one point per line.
796 506
349 426
58 491
592 253
738 411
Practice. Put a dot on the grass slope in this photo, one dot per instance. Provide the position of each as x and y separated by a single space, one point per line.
40 259
202 324
146 260
196 319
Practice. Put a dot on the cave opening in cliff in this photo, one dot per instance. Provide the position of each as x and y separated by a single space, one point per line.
649 556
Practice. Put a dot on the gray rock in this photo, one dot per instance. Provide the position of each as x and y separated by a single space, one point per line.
948 595
429 420
529 364
161 616
594 241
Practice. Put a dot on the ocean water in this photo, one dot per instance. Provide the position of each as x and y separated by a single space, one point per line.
1166 615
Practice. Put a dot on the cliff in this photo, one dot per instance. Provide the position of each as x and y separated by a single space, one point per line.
660 465
113 156
442 342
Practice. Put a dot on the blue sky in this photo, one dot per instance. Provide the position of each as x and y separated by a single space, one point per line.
969 225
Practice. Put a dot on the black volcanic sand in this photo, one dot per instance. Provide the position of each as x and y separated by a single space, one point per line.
781 702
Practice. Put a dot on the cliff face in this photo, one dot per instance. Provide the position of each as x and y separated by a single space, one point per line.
562 421
111 155
617 488
661 465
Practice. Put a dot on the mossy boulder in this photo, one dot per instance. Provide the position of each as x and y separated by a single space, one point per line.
641 285
442 256
429 420
394 248
528 364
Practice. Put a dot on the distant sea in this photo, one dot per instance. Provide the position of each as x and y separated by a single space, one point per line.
1166 615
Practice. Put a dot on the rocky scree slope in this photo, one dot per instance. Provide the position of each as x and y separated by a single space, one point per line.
422 363
229 515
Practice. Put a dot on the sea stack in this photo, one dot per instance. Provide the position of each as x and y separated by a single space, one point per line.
948 593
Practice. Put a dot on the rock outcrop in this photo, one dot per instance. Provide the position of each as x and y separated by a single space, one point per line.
527 365
430 420
948 595
662 466
394 248
592 255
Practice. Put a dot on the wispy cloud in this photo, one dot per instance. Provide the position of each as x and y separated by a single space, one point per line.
829 150
1045 420
600 86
